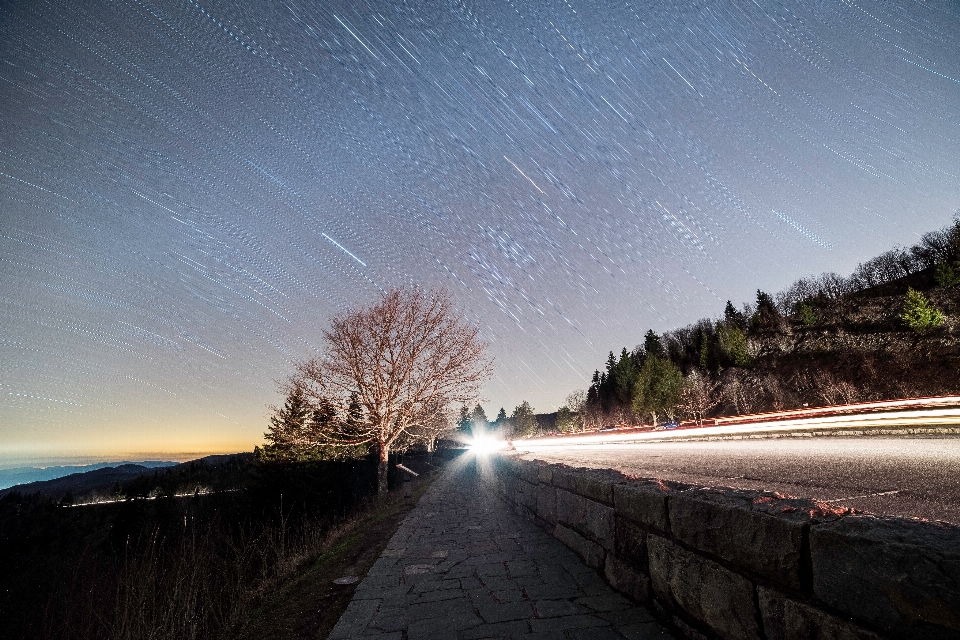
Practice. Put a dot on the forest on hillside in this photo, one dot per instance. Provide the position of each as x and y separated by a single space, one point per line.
888 330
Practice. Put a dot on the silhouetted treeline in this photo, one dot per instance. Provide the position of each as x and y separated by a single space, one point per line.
179 554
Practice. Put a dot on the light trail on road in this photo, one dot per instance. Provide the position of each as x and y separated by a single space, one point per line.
753 426
901 476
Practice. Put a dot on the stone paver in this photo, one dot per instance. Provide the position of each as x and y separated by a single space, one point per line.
463 566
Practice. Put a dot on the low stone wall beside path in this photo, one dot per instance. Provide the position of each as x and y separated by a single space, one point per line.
736 564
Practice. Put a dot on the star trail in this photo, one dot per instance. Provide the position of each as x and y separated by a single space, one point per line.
189 190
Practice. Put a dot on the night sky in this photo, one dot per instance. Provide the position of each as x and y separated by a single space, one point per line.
190 190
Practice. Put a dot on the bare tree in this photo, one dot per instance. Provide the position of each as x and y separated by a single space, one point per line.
743 392
427 431
405 360
699 395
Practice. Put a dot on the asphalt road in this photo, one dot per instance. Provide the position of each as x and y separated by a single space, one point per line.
901 476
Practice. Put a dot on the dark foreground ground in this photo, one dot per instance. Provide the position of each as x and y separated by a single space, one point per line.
309 604
898 476
463 565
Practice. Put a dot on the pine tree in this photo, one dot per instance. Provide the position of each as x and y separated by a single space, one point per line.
946 275
704 351
658 388
478 420
734 318
766 315
624 376
807 315
463 422
523 420
918 314
287 423
652 345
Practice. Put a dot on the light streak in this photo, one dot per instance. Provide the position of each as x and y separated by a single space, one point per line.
342 248
364 44
524 175
905 418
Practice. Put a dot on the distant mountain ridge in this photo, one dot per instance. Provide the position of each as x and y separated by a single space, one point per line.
28 475
138 478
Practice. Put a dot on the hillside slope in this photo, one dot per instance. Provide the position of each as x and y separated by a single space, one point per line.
824 340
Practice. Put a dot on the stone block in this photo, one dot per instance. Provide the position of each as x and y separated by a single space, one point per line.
626 579
591 553
630 543
529 471
897 575
571 509
758 531
718 598
644 502
510 487
596 484
787 619
526 494
545 473
505 465
598 525
547 503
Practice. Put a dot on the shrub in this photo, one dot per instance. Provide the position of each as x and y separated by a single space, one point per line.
946 275
807 315
918 314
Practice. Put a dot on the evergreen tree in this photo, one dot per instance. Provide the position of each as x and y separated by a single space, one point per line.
293 432
918 314
354 413
658 388
704 359
807 315
733 343
734 318
946 275
502 416
463 422
766 315
523 420
765 303
288 422
593 391
478 420
623 377
652 345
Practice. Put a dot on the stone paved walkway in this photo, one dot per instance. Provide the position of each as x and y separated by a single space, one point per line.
464 566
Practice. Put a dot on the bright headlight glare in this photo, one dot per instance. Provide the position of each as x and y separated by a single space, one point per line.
482 444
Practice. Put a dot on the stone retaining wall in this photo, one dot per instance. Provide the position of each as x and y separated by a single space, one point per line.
732 564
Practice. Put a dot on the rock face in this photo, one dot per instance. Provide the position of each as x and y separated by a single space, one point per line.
748 564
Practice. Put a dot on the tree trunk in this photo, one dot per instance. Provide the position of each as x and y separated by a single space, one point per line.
382 468
431 444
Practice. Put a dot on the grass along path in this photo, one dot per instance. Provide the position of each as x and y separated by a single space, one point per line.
307 604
